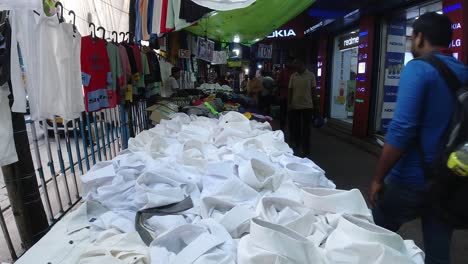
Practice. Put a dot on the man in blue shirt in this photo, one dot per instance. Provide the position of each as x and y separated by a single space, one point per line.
424 108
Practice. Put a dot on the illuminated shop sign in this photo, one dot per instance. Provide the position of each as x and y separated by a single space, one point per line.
349 41
283 33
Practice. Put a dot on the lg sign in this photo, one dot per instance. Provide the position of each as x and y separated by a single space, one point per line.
283 33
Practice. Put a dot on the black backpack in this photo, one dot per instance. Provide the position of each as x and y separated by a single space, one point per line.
447 192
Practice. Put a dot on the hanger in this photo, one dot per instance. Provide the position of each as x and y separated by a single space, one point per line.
60 17
103 32
93 32
123 38
128 39
74 19
114 33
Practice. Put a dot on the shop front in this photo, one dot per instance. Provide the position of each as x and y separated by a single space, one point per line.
345 68
359 68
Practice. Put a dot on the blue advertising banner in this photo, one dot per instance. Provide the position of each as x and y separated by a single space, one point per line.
394 64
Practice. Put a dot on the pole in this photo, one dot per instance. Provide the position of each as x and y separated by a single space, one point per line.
22 187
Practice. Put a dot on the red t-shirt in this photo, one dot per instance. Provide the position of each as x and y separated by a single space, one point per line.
96 74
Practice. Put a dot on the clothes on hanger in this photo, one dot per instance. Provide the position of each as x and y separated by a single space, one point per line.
59 89
96 74
116 70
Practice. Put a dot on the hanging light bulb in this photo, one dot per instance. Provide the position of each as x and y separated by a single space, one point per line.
236 39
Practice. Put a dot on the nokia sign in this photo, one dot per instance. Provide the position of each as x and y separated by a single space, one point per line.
283 33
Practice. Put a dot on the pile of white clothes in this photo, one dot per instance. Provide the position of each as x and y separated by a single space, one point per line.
253 202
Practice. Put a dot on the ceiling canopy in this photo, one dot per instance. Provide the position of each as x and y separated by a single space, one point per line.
249 25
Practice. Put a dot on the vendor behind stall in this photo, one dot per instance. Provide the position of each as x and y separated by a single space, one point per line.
171 85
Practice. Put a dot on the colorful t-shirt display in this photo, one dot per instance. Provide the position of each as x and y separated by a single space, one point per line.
96 74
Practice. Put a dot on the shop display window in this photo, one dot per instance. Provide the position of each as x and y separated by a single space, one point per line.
345 69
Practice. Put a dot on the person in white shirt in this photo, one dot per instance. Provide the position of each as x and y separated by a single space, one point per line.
171 83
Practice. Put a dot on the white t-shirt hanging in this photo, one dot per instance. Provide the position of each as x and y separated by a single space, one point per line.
59 89
156 28
24 34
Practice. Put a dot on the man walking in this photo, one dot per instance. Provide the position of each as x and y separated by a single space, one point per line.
423 112
301 98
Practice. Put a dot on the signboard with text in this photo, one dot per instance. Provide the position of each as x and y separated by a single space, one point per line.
291 30
455 10
349 41
264 51
394 64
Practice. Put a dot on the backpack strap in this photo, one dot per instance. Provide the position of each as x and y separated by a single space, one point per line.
449 76
454 85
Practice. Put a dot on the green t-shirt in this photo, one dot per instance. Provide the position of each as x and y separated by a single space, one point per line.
116 66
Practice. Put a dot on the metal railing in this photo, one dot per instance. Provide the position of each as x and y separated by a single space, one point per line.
92 138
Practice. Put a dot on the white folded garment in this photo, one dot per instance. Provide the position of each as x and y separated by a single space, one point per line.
337 201
162 186
304 175
112 247
203 243
232 204
358 241
271 243
261 175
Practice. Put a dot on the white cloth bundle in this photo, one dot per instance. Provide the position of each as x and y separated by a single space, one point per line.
271 243
358 241
337 201
204 243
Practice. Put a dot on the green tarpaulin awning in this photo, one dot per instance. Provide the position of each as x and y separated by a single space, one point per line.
250 24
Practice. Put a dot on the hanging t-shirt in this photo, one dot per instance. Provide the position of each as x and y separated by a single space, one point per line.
125 65
156 20
59 89
179 23
164 7
95 73
144 19
24 35
140 84
116 69
138 26
149 20
131 59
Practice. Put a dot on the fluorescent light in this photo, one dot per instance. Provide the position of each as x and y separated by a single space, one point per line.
259 66
236 39
236 51
214 14
257 40
246 71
